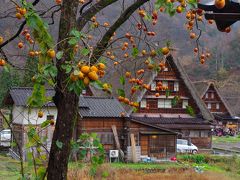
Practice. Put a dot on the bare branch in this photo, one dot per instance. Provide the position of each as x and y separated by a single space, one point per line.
93 10
100 48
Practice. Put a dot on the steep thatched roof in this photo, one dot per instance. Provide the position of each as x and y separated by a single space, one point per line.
203 86
183 75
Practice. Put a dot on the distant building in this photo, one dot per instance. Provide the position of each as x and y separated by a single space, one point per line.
217 105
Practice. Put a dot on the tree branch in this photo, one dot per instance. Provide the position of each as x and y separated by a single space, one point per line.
103 43
93 10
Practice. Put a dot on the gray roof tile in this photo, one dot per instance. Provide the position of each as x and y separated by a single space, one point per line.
89 106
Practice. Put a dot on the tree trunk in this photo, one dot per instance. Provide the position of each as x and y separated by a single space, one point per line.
66 102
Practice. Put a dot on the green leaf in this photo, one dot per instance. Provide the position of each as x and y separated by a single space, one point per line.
97 84
168 93
76 33
122 80
190 111
121 92
45 123
6 69
59 144
59 55
73 41
135 109
135 52
85 51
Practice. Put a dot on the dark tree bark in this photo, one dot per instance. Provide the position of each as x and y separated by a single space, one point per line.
66 102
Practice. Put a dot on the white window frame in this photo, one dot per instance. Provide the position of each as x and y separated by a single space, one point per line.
165 83
143 103
161 103
176 86
209 106
168 103
165 69
184 103
212 95
217 106
164 103
153 86
84 91
206 95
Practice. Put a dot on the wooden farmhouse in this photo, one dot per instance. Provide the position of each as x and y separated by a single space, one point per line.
217 105
178 112
170 108
101 115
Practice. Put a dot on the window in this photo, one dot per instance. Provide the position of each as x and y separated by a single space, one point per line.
204 133
212 95
164 103
84 91
106 138
206 95
209 105
50 117
165 83
168 103
165 69
176 86
194 134
153 86
143 103
217 106
184 103
161 103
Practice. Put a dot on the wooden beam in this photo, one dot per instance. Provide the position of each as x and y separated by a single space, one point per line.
121 153
133 145
114 129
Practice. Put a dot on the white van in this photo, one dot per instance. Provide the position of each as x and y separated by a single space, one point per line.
184 146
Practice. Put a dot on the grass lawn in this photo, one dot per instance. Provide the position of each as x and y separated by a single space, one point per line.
9 168
226 139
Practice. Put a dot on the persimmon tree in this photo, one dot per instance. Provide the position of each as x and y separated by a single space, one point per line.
84 49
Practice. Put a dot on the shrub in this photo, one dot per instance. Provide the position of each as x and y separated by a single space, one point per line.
197 158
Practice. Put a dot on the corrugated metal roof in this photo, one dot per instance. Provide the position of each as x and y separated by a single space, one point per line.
89 106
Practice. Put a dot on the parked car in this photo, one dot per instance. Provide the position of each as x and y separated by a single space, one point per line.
5 137
185 146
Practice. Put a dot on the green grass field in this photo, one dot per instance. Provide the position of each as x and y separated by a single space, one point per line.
226 139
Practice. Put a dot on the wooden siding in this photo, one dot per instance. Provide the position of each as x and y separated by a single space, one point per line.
170 76
124 129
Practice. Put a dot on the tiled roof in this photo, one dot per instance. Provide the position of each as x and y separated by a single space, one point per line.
175 123
101 107
89 106
164 120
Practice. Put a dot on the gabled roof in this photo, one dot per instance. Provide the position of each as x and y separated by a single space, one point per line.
203 86
183 75
89 106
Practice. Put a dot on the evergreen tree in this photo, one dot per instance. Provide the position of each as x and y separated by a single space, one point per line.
8 79
31 66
